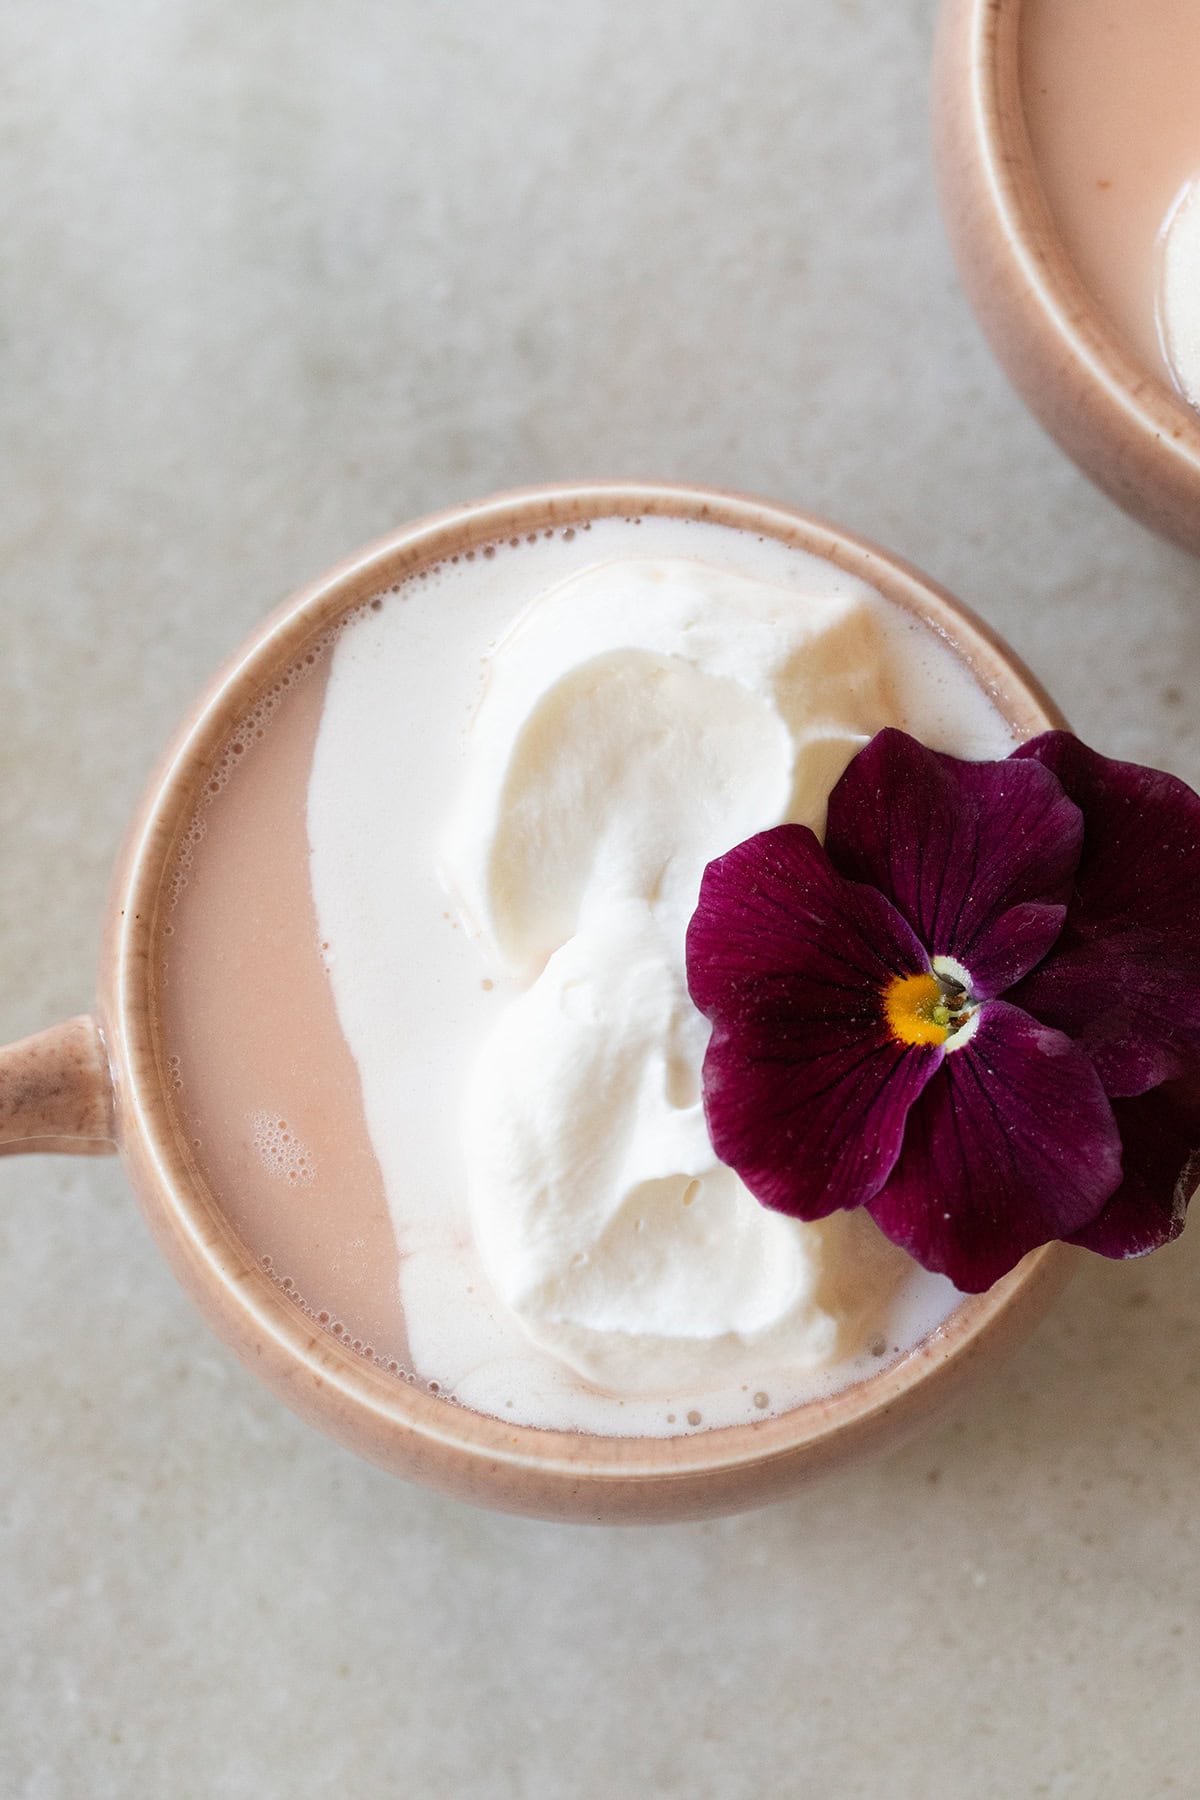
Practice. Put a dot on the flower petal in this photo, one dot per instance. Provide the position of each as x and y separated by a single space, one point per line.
1160 1139
820 1129
1115 998
1124 978
805 1088
977 856
1011 1144
774 910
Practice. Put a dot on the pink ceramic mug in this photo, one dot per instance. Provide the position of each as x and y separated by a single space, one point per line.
100 1083
1119 420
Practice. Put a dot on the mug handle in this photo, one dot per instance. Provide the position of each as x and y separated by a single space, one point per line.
56 1092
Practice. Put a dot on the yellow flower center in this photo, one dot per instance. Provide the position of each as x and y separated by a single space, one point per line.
916 1011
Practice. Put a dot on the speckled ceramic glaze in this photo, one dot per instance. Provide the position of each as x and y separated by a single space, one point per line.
98 1084
1119 420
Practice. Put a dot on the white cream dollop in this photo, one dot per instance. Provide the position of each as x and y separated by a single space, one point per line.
1179 290
639 719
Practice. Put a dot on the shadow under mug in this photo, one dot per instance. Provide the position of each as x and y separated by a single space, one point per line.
1118 420
101 1082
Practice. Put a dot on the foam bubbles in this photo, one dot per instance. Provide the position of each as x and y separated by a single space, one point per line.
336 1328
280 1149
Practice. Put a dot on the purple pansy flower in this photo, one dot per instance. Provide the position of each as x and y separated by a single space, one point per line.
975 1010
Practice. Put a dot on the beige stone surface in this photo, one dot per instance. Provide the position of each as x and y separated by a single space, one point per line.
274 278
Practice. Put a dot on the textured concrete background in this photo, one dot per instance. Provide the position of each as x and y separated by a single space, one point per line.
274 278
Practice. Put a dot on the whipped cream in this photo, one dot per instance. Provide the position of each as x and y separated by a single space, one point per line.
1179 290
639 719
571 1255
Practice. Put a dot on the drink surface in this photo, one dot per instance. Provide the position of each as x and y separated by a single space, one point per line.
1109 91
357 1206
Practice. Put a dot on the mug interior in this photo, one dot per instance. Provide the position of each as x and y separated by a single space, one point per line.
402 1426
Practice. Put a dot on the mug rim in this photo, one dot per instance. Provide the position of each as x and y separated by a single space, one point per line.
393 1422
1167 426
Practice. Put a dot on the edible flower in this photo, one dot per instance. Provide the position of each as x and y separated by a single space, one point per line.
975 1010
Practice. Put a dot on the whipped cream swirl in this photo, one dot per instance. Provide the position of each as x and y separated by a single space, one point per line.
640 718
